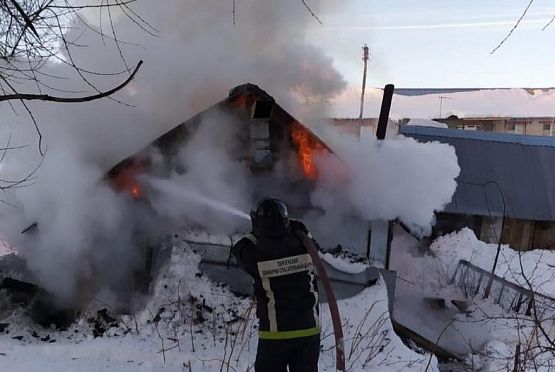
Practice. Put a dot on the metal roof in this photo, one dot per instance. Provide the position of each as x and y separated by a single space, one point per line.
521 168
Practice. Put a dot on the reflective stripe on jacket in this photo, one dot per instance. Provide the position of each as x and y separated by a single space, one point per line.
284 284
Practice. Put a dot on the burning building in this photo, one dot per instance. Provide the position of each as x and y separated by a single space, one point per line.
267 135
280 154
250 147
280 157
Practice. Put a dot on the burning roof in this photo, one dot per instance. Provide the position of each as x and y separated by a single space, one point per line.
268 131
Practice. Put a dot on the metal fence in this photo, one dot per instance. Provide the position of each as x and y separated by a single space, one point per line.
475 281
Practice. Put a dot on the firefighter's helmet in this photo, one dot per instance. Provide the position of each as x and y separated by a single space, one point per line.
270 218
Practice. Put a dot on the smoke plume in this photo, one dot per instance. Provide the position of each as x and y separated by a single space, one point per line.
198 52
211 172
384 180
87 235
83 236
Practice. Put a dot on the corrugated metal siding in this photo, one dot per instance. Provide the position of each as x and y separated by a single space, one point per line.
523 166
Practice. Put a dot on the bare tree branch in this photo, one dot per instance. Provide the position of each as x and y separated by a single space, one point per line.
25 17
46 97
33 32
513 29
548 23
98 6
37 129
138 20
311 12
24 181
234 12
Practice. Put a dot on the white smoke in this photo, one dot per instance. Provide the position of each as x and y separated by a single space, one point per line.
195 58
85 230
82 232
384 180
86 234
89 238
210 172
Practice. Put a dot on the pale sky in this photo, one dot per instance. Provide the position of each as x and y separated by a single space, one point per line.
435 43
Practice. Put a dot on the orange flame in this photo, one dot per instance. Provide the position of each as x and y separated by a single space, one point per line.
308 147
126 180
240 101
135 190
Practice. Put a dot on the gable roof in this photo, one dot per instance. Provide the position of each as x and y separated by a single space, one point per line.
246 102
520 168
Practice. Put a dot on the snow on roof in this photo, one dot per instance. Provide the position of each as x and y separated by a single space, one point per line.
426 123
426 91
466 103
478 135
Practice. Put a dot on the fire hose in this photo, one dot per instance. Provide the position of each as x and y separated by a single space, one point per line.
332 302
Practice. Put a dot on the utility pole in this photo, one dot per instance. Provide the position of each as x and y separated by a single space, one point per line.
365 56
441 98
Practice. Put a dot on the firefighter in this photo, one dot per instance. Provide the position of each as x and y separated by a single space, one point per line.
285 289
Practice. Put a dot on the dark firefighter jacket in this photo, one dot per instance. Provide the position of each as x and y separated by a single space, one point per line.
284 284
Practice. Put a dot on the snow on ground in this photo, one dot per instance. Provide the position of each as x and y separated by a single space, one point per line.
5 247
345 265
529 269
484 331
201 326
537 265
433 272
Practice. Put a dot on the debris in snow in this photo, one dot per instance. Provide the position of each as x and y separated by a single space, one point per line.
345 262
102 322
478 327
